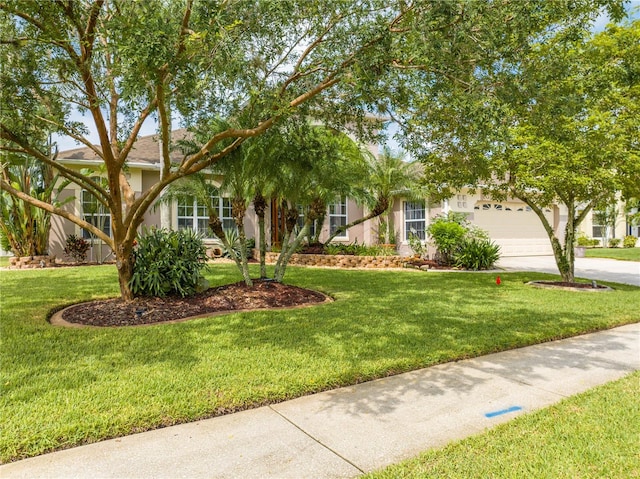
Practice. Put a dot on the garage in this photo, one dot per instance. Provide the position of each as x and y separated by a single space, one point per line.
515 227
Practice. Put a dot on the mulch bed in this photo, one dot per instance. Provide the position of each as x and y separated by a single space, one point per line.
569 285
232 297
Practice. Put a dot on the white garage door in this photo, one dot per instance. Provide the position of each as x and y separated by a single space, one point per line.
515 227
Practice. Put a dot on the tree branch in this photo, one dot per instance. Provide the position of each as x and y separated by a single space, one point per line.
56 211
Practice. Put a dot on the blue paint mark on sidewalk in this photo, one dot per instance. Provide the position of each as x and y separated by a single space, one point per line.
503 411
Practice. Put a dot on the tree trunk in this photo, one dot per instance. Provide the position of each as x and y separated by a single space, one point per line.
239 207
285 254
381 206
124 264
260 206
563 255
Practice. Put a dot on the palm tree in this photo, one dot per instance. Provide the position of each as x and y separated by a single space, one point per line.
320 166
392 177
24 228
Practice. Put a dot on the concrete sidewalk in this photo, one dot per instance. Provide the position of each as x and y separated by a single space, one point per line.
348 431
600 269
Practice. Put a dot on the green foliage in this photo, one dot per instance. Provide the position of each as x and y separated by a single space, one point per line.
629 241
461 244
416 244
168 263
181 372
476 254
356 249
231 248
24 229
614 242
584 240
76 248
447 234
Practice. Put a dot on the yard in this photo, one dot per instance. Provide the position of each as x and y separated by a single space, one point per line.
64 387
623 254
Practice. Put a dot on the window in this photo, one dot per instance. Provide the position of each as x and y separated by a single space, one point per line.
95 213
338 216
414 219
301 216
192 215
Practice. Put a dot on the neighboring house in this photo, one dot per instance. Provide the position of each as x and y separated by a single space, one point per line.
511 224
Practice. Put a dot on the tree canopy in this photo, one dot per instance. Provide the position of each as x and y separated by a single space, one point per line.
252 62
558 126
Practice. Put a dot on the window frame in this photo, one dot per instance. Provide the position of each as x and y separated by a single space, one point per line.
93 217
225 213
342 202
407 221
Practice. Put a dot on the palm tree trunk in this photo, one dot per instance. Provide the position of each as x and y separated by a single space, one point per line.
260 206
285 254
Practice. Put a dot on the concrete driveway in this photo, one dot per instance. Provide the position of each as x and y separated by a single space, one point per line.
600 269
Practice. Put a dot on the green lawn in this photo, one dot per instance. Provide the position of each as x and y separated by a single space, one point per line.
591 435
4 261
63 387
623 254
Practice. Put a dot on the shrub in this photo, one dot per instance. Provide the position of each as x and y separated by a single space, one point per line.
614 242
476 254
447 236
76 248
584 240
168 263
416 244
629 241
234 240
355 249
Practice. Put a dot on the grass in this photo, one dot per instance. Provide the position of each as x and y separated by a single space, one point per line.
64 387
623 254
591 435
4 261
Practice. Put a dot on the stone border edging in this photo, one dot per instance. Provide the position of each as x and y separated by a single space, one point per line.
57 320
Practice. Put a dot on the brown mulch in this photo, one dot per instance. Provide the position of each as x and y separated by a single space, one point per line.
232 297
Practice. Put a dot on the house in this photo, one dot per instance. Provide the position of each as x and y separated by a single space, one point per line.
511 224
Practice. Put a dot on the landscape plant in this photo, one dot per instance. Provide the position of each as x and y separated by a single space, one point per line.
359 249
584 240
416 244
614 242
24 228
554 125
629 241
168 262
76 248
460 243
476 254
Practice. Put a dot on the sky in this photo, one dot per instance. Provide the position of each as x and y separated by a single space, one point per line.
150 126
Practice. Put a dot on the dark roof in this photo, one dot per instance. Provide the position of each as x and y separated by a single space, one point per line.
145 150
